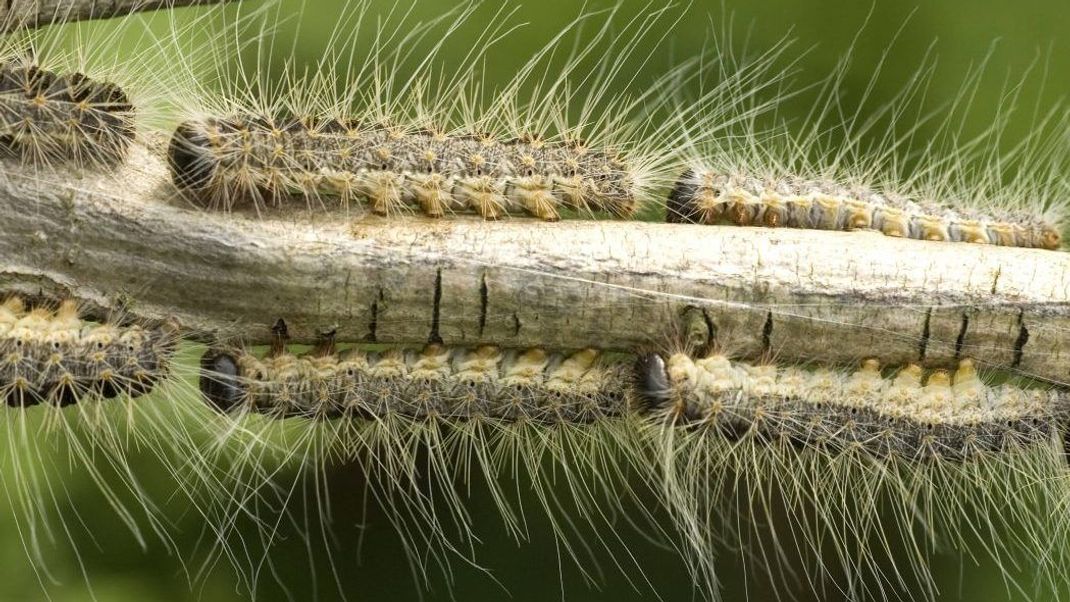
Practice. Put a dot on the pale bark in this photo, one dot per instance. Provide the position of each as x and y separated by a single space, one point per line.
20 14
803 295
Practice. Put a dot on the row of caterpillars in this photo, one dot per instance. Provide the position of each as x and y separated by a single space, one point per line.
247 159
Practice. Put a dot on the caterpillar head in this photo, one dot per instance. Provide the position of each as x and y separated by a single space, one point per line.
219 381
681 208
191 157
652 388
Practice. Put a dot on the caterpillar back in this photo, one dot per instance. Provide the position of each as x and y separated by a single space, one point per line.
434 383
58 359
711 197
47 117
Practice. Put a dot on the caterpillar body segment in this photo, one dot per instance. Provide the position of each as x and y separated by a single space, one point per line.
450 384
49 117
229 161
912 414
88 402
712 197
429 427
80 94
53 356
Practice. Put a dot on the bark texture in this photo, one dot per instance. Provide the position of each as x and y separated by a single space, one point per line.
801 295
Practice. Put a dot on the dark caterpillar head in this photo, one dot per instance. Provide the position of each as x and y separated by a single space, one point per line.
190 156
219 382
652 387
680 208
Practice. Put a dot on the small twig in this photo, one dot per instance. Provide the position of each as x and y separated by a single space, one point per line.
804 295
28 14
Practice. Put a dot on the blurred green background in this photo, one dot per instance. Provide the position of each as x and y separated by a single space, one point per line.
368 561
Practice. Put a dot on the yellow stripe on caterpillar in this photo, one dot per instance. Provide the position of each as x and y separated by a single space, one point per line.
711 197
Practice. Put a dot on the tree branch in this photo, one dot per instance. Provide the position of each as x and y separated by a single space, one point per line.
23 14
803 295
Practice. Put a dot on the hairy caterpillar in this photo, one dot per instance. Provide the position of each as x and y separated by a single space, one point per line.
66 100
451 384
847 168
229 159
47 116
838 496
59 106
55 357
710 197
77 406
858 460
949 416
